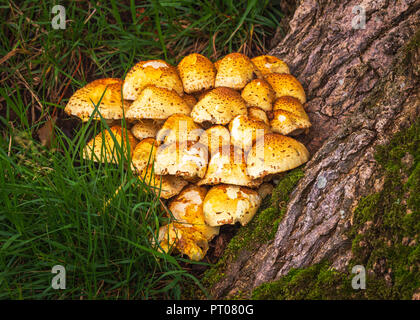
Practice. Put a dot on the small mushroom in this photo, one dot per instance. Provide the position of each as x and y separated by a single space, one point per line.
235 70
275 153
106 91
228 166
197 73
289 116
186 159
269 64
179 128
157 103
244 131
226 204
106 146
258 114
151 72
286 85
146 128
219 106
258 93
144 154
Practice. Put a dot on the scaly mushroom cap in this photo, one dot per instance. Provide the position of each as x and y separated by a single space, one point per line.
179 128
219 106
235 70
289 116
144 154
197 73
257 114
258 93
187 209
286 85
190 100
165 186
228 166
157 103
186 159
215 137
244 132
225 204
82 102
103 148
270 64
188 241
217 64
146 128
152 72
275 153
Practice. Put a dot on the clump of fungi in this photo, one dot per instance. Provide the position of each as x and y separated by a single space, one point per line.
207 137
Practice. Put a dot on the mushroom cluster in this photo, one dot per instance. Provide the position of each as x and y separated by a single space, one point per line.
207 137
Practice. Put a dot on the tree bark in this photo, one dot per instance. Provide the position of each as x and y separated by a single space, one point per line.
362 87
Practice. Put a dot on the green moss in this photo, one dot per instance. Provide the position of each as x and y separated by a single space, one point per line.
384 236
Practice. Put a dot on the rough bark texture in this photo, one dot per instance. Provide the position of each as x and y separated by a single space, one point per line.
362 88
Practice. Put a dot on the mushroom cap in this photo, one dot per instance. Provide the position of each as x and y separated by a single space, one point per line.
286 85
151 72
188 241
166 186
289 116
219 106
145 128
215 137
82 102
244 132
217 64
179 128
197 73
157 103
186 159
235 70
257 114
258 93
102 147
273 154
190 100
228 166
226 204
187 208
144 154
269 64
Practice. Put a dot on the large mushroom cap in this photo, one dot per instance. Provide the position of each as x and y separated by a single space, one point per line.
146 128
275 153
244 131
269 64
289 116
215 137
108 145
225 204
166 186
286 85
179 128
157 103
219 106
144 154
187 209
186 159
152 72
258 93
228 166
197 73
82 102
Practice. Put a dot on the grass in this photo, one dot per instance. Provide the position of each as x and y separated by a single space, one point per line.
51 200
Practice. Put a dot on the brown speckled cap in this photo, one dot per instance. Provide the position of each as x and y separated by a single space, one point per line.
146 128
270 64
286 85
179 128
244 131
157 103
144 154
258 93
151 72
197 73
81 103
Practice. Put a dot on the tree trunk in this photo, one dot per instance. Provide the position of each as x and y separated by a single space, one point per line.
362 88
